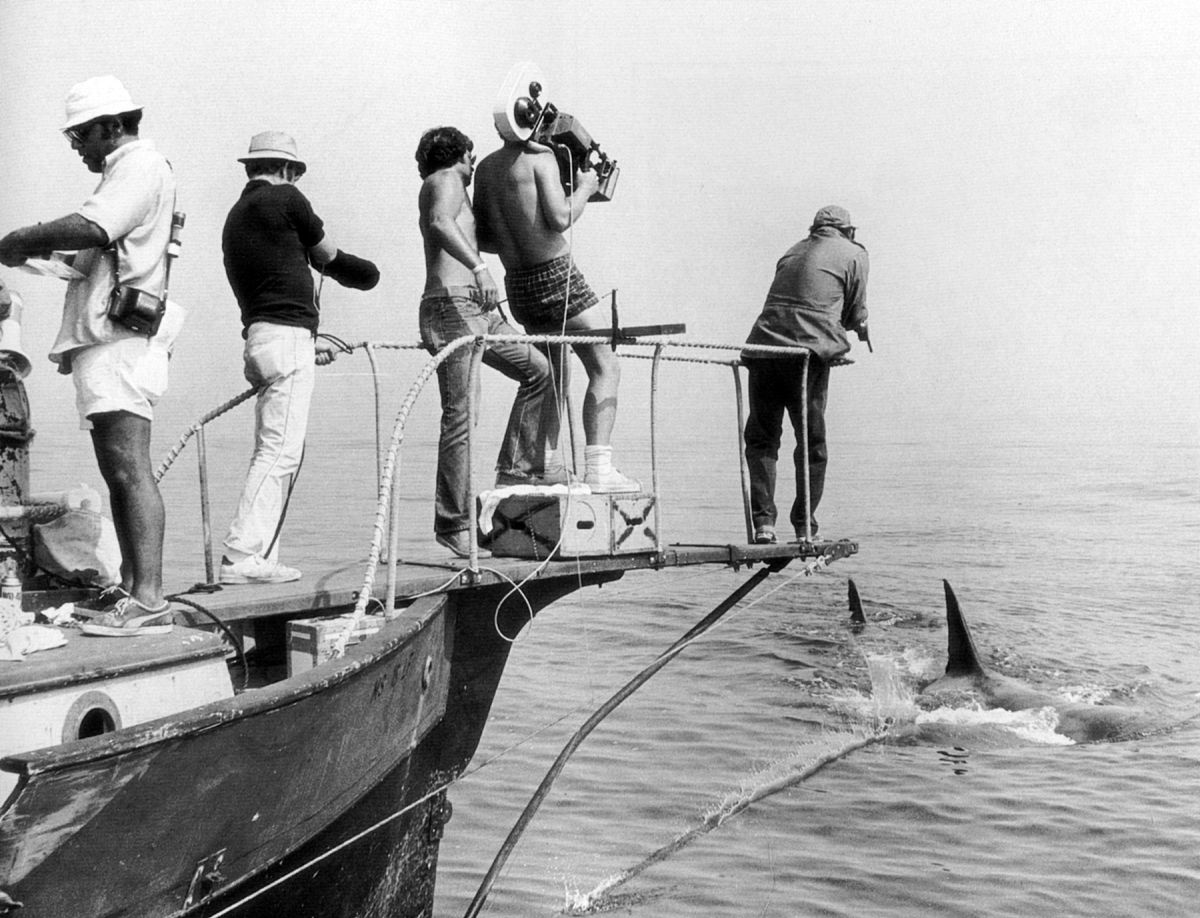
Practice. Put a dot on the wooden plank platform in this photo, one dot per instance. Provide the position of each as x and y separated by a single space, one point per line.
333 590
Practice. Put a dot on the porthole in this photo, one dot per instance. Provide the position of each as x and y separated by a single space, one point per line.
92 714
96 722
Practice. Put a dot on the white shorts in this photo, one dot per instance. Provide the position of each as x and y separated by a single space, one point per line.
126 375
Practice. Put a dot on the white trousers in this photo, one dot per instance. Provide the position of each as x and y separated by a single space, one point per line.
280 360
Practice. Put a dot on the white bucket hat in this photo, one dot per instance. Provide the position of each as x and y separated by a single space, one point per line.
95 98
273 145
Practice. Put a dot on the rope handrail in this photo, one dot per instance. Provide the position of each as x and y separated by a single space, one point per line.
388 463
389 468
387 478
644 341
195 428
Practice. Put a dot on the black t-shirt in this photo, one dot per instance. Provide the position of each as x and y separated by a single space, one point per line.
266 240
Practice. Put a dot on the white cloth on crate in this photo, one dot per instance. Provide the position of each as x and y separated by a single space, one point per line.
489 500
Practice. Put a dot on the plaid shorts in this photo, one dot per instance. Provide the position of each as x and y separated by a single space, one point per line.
537 296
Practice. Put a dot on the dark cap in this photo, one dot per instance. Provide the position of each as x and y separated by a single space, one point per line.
832 215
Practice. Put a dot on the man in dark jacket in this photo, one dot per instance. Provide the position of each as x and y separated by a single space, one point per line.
818 294
271 238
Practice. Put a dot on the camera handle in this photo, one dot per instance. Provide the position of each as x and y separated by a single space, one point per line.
178 218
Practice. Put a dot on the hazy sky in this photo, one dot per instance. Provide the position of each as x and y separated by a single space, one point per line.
1024 174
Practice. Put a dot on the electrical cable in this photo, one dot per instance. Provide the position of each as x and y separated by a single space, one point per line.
602 712
233 638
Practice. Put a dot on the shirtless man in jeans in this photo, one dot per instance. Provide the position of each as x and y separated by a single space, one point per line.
523 214
460 298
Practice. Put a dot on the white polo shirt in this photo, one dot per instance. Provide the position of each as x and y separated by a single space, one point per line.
133 204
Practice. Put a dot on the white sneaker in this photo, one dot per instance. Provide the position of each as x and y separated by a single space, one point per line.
256 569
611 482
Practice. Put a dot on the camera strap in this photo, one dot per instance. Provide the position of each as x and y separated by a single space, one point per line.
116 251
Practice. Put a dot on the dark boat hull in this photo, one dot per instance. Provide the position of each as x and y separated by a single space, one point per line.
157 819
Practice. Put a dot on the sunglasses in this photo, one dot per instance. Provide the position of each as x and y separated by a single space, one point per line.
79 134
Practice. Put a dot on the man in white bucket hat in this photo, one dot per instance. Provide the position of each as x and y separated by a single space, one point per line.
120 235
271 241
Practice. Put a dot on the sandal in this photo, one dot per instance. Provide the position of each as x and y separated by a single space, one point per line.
119 622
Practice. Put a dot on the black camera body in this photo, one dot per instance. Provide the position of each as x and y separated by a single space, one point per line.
137 310
575 149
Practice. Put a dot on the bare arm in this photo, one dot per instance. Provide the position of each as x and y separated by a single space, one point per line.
441 208
446 200
558 209
72 232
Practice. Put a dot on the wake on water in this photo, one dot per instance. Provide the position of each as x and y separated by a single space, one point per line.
890 712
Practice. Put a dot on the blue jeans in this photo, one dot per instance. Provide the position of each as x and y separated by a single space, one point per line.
774 389
532 424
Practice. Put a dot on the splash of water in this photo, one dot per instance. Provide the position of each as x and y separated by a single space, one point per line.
1034 725
892 697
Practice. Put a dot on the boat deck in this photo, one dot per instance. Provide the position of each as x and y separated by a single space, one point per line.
334 590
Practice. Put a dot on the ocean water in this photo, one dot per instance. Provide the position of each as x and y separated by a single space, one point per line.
1072 545
1078 570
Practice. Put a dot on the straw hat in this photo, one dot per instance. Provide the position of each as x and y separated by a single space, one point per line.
273 145
95 98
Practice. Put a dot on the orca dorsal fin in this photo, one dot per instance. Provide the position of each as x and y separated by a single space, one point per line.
961 657
856 610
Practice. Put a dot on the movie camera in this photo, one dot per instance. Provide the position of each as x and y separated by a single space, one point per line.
521 115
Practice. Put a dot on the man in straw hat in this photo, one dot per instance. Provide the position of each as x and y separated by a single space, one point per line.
819 292
271 238
120 235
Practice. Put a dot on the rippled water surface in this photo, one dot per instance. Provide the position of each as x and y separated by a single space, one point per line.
1076 565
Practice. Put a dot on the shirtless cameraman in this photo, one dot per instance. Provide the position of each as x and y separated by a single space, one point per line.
522 213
